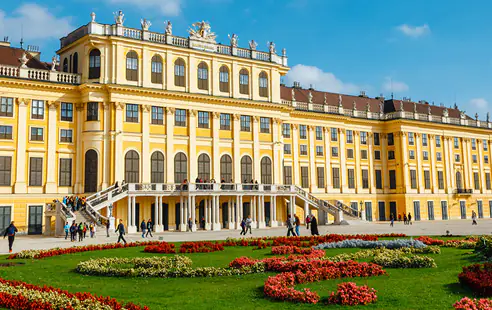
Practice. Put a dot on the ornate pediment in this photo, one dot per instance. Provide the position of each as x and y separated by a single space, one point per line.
200 31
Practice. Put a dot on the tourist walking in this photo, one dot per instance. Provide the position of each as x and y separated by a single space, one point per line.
249 221
290 226
474 218
73 232
85 228
81 232
121 231
243 227
298 225
143 227
392 220
314 225
150 227
107 227
190 224
67 230
405 220
409 219
308 220
91 230
10 232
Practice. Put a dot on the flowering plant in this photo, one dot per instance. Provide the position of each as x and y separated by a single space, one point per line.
162 247
478 277
349 294
399 259
200 247
290 249
372 244
473 304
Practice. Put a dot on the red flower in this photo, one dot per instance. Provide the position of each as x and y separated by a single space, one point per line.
478 277
349 294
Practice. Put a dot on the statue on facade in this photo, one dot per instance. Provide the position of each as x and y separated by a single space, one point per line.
145 24
253 45
54 62
93 17
476 116
462 114
169 28
284 52
354 106
414 107
340 101
445 113
119 18
429 110
201 31
381 108
234 38
23 60
368 107
324 99
293 94
271 47
401 106
310 97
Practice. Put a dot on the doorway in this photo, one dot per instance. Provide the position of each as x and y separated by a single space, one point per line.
35 226
90 180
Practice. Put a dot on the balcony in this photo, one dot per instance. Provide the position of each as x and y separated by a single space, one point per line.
463 191
40 75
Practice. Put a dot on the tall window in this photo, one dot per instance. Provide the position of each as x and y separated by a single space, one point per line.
391 139
66 135
350 153
245 123
377 155
132 163
203 119
132 66
476 181
303 149
350 136
157 167
37 109
5 170
334 151
180 168
303 131
304 177
287 175
75 63
224 79
363 154
132 113
351 178
376 138
320 171
335 174
319 133
244 82
438 141
156 69
263 81
427 179
35 171
365 178
287 149
438 156
334 134
440 179
485 145
66 112
266 170
6 132
363 137
203 76
265 124
225 121
379 180
487 181
319 150
180 118
459 184
65 178
6 106
204 167
411 140
456 143
286 130
424 139
413 179
474 143
157 115
179 73
94 64
246 169
391 155
92 111
226 168
392 178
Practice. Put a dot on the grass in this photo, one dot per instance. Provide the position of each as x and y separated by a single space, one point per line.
403 289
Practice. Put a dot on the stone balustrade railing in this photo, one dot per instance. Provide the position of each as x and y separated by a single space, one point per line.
39 74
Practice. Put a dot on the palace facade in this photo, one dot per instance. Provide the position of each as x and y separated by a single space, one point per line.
155 109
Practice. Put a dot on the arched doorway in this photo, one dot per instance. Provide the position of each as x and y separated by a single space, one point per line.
90 181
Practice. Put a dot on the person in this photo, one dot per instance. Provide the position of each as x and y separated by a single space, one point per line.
399 217
107 228
392 220
73 232
80 230
249 221
85 228
298 224
121 231
474 218
143 227
202 223
314 225
91 230
94 229
405 220
150 226
190 224
409 219
243 227
290 226
67 230
10 232
308 219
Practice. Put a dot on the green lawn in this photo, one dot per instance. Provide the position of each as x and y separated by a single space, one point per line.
403 289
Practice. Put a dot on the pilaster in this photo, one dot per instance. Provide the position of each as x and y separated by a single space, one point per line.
256 149
118 143
312 150
384 156
215 147
343 165
420 173
144 162
170 146
192 145
277 163
106 145
21 163
51 186
328 181
80 152
295 154
433 168
237 149
404 164
372 185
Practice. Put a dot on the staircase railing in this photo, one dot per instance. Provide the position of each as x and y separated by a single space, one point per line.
65 211
347 209
316 201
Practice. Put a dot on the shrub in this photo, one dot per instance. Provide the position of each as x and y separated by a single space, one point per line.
484 247
478 277
162 247
349 294
400 259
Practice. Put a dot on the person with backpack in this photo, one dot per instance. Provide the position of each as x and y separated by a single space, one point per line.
10 232
81 232
67 230
143 227
85 228
91 230
121 231
73 232
243 227
150 227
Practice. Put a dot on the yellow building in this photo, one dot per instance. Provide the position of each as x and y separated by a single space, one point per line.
154 109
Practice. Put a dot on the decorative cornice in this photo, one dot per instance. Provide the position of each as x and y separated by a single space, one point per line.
53 105
23 102
256 119
277 120
119 105
170 110
80 106
145 108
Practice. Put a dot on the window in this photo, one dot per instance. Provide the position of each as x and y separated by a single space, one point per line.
391 139
487 181
303 131
65 65
365 178
424 139
203 119
246 169
379 180
474 158
334 151
486 159
363 137
226 168
132 66
203 76
456 157
157 116
425 155
350 153
286 130
37 109
225 121
430 210
5 170
6 132
456 143
335 173
439 156
319 150
92 111
35 171
411 154
94 64
440 179
6 106
485 145
65 178
334 134
377 155
363 154
157 167
66 112
303 149
287 149
287 175
263 84
459 184
224 79
413 179
132 113
156 70
244 82
411 140
66 135
427 179
245 123
180 118
37 134
264 124
304 177
392 178
180 168
438 141
266 170
376 138
474 143
319 133
476 181
204 167
391 154
351 178
350 136
132 167
179 73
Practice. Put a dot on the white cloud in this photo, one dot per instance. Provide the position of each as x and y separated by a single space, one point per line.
37 23
166 7
414 31
325 81
479 103
390 85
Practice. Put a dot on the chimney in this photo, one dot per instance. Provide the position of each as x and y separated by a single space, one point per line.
5 42
363 94
297 84
34 51
311 87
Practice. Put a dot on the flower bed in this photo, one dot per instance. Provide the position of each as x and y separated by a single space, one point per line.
200 247
467 243
20 295
359 243
290 249
400 259
478 277
349 294
370 253
162 247
473 304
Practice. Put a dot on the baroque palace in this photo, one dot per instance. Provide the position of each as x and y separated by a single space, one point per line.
156 112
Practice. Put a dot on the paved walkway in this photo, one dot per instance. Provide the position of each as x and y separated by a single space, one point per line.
455 227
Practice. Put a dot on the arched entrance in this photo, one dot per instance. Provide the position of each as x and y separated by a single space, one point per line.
90 181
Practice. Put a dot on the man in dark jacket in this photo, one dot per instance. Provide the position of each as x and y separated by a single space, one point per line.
150 226
121 231
314 226
143 227
10 232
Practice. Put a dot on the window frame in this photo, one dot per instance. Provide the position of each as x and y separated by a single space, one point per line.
36 171
180 118
66 112
263 84
92 111
131 113
225 121
203 119
265 124
179 72
202 76
6 107
64 137
6 132
37 109
224 79
156 69
244 81
34 136
157 115
65 175
131 66
5 170
245 123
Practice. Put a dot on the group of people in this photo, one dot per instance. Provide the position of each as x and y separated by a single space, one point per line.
203 184
147 228
246 224
407 219
294 225
75 203
79 230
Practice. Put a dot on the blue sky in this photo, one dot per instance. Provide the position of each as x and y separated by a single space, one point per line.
439 51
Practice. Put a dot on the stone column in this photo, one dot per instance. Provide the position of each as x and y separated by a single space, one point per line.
253 211
261 210
21 154
295 155
119 168
79 159
218 225
170 146
192 210
306 209
182 214
256 149
469 164
328 178
404 150
292 206
207 218
132 228
158 214
467 184
51 159
447 164
215 147
129 219
144 161
237 149
272 210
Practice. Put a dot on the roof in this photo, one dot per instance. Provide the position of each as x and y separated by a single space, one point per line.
10 56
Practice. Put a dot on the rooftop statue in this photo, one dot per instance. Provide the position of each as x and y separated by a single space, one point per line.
429 110
310 97
119 17
368 107
476 116
23 60
445 113
462 114
201 31
145 24
414 107
169 28
253 45
271 47
93 17
284 52
293 94
381 108
54 62
324 98
340 101
401 106
233 39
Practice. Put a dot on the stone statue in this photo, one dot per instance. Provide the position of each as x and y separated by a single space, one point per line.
93 17
310 97
445 113
354 106
381 108
324 99
340 101
253 45
414 107
488 117
201 31
169 28
284 52
233 39
429 110
145 24
110 210
462 114
368 107
119 18
401 106
476 116
271 47
293 93
54 62
23 60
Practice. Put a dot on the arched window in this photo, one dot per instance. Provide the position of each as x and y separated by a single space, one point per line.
132 66
180 168
246 169
179 73
224 80
132 169
244 82
157 167
204 167
75 63
263 84
226 168
203 76
156 75
94 64
266 170
459 182
65 65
